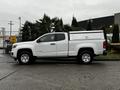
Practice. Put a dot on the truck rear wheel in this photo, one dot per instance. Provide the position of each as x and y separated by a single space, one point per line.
85 57
25 57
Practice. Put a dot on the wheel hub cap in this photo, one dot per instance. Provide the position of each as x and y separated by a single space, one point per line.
25 58
86 57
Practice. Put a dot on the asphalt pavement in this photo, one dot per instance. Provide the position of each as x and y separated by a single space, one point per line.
55 74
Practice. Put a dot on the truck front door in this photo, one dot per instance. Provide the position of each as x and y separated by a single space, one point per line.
46 46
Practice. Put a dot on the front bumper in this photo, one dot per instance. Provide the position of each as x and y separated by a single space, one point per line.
13 55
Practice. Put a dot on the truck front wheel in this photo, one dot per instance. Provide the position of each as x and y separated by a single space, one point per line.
85 57
25 57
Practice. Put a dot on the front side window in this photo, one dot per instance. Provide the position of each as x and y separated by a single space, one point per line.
47 38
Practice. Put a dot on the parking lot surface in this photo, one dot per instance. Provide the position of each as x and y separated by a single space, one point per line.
59 75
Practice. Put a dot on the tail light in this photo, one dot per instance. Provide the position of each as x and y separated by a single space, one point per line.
105 44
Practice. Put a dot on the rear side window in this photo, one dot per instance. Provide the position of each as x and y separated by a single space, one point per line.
60 37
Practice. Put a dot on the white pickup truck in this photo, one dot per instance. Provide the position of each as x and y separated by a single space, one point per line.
81 44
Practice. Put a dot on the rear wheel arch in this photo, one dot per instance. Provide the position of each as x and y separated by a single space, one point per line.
86 49
85 55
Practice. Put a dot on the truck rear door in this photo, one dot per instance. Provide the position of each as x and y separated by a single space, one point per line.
62 44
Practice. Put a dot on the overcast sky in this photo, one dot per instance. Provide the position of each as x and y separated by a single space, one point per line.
32 10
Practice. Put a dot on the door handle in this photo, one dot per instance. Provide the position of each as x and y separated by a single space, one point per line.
52 43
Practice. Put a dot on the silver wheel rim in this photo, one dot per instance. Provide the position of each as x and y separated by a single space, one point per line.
86 58
25 58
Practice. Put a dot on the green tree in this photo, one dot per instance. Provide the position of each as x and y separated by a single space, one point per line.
89 24
26 31
45 24
58 25
67 28
74 22
115 37
35 31
105 34
31 31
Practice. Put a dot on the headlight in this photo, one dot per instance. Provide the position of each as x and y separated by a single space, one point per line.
14 46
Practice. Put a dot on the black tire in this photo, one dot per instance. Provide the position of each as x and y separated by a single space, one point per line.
25 57
85 57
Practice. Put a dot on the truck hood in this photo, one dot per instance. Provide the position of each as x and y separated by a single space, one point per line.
24 43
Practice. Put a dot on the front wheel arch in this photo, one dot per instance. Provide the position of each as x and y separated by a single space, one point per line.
25 52
25 49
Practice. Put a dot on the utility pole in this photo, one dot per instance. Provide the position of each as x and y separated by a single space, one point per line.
20 33
10 23
20 23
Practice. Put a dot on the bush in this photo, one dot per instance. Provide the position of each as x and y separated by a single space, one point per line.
115 37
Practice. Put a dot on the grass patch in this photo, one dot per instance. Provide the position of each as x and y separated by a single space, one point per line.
111 55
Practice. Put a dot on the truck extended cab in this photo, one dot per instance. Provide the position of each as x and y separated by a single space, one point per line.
81 44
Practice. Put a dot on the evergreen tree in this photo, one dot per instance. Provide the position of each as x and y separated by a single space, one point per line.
46 23
31 31
115 37
61 25
89 24
58 26
26 31
105 34
74 22
67 28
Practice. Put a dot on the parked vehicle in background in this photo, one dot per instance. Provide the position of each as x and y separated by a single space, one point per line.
83 45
